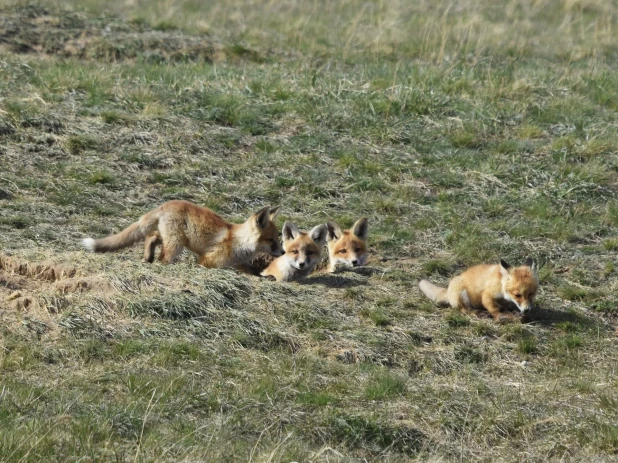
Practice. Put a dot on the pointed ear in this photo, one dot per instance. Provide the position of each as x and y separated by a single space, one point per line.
333 232
530 263
262 217
289 231
274 212
360 228
318 234
504 267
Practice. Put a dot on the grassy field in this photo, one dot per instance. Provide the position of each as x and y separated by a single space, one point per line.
465 131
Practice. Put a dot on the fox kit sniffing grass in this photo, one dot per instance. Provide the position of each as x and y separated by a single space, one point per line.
302 253
176 225
489 287
348 247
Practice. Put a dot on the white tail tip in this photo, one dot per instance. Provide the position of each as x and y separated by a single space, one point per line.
88 244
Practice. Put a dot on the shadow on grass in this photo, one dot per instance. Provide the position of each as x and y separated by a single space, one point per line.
332 281
550 317
365 271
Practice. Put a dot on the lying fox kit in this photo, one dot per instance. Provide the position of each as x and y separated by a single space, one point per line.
302 253
489 287
347 247
176 225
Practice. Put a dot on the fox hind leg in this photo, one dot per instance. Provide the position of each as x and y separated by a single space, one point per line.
171 248
152 241
169 252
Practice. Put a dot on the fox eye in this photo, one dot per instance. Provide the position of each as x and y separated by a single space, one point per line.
295 251
309 253
343 251
357 250
517 295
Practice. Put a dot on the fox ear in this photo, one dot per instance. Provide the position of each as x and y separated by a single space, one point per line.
318 234
262 217
333 232
289 231
360 228
530 263
504 267
274 212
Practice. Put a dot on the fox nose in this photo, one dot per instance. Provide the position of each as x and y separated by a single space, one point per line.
301 264
355 262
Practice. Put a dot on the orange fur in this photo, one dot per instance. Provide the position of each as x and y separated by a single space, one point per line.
347 247
302 253
494 288
176 225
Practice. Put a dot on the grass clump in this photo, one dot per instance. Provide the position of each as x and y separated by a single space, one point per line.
478 154
384 384
358 431
77 144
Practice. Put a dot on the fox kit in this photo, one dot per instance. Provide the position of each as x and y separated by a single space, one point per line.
302 253
489 287
347 247
180 224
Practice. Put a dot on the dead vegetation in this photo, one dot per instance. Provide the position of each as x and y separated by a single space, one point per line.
449 126
35 29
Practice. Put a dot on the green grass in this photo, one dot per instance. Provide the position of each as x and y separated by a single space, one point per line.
465 133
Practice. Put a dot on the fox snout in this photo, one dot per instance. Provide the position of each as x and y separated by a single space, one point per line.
526 307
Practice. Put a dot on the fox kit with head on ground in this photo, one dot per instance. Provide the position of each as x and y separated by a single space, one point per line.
176 225
502 290
348 247
302 253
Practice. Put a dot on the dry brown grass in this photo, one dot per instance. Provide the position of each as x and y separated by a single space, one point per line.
464 132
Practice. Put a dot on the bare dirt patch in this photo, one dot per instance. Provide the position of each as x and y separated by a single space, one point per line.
30 292
39 271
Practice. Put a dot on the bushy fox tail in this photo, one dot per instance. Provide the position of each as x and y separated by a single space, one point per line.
436 293
130 235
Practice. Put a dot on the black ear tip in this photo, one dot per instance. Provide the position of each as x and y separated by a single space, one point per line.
505 264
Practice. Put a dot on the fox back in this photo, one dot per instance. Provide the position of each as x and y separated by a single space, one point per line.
348 247
176 225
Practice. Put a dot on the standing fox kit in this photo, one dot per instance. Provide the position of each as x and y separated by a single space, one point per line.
176 225
347 247
489 287
302 253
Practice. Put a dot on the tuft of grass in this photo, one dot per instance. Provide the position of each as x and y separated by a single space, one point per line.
377 316
457 320
19 222
579 294
101 178
437 266
358 431
315 399
77 144
467 354
384 384
527 345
